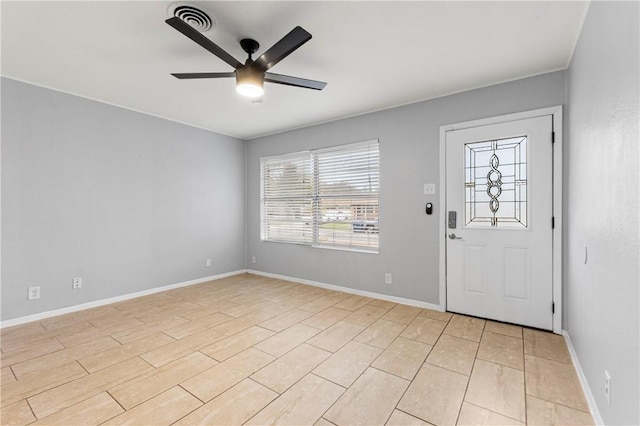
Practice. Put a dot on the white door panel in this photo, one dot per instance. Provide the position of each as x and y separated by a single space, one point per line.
499 259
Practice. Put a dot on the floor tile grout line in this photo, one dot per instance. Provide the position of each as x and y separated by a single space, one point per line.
149 374
337 399
85 398
52 387
409 414
502 334
570 364
551 359
193 395
265 386
322 417
83 367
117 402
395 407
64 348
495 412
200 352
275 358
560 404
466 389
192 411
391 374
359 375
38 356
13 373
311 371
426 361
498 364
26 400
421 365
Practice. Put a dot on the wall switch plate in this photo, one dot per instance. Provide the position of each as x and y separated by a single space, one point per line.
33 293
607 386
76 283
388 278
208 263
429 189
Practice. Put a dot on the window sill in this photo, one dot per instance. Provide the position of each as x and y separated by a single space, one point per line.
327 247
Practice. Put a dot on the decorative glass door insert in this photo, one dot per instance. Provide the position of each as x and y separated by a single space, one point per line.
496 183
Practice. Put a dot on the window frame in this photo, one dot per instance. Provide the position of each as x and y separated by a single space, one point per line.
316 198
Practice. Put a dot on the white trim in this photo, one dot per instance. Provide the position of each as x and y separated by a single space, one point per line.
403 104
346 146
333 148
556 113
285 156
96 303
116 105
593 407
410 302
558 219
442 258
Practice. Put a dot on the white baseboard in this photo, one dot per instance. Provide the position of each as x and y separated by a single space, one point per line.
388 298
595 413
70 309
95 304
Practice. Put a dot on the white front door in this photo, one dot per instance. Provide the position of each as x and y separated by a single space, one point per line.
499 203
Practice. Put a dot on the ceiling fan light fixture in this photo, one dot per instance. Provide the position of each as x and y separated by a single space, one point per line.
249 83
250 90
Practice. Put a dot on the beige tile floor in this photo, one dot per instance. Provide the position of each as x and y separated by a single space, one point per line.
254 350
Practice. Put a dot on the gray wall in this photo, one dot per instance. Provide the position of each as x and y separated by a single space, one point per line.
124 200
601 296
409 157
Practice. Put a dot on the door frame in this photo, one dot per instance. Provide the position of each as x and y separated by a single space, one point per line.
556 120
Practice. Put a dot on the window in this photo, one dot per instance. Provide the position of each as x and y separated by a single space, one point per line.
324 198
496 183
287 199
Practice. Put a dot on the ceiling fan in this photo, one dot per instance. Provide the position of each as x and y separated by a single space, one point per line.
251 75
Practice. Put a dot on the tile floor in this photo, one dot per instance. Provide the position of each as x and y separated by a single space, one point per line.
254 350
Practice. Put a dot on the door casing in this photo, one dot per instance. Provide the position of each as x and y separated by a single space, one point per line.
556 113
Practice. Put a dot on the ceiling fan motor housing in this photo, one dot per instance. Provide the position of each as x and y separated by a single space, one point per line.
249 45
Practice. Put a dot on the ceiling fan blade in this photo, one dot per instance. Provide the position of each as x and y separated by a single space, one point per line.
283 48
188 75
196 36
294 81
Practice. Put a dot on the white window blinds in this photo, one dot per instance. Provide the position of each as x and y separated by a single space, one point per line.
287 199
326 197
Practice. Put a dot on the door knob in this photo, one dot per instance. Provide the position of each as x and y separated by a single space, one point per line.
452 236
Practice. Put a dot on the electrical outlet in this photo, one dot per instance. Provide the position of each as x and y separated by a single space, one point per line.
253 259
77 283
607 386
387 278
34 293
208 264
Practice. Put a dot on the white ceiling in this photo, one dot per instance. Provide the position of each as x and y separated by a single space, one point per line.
374 55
